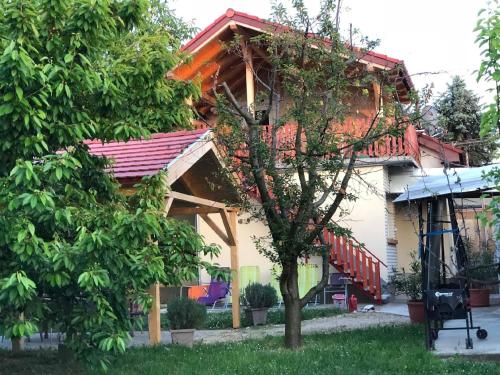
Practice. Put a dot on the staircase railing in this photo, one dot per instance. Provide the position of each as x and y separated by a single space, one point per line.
353 259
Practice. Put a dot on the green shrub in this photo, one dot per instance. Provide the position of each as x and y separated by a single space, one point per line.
258 296
184 313
482 267
409 283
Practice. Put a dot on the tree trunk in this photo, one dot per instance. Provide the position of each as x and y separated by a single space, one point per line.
17 344
292 309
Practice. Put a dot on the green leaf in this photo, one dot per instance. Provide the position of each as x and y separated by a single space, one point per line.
59 173
59 89
8 97
21 235
19 93
5 109
68 58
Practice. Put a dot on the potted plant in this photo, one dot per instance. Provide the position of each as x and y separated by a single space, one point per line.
481 272
184 316
259 298
410 284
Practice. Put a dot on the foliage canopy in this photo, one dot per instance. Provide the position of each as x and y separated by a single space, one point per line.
297 145
74 250
459 116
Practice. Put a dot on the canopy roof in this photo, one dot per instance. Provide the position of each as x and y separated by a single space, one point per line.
459 182
145 157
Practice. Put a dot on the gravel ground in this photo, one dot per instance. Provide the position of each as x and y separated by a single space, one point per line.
319 325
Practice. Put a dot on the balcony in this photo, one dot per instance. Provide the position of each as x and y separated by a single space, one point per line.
385 149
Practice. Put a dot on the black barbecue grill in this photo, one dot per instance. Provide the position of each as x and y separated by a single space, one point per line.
446 286
443 300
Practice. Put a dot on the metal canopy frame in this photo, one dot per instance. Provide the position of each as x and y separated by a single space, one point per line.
443 299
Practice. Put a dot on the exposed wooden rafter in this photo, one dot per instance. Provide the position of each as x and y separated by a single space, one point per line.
216 229
210 53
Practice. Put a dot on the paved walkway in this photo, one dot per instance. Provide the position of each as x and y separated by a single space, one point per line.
320 325
453 342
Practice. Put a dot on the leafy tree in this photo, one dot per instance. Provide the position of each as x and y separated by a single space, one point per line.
73 249
488 38
459 117
313 85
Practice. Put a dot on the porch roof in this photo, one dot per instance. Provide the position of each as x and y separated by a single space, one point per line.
457 182
145 157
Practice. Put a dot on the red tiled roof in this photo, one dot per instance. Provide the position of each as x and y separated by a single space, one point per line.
262 24
145 157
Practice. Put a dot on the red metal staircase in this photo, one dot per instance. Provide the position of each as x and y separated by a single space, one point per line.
361 265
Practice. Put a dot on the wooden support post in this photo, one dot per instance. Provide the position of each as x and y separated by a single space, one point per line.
235 293
249 81
379 105
168 205
154 316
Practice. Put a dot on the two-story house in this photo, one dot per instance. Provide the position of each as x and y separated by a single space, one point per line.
384 168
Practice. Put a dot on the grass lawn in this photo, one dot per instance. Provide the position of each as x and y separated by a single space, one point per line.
384 350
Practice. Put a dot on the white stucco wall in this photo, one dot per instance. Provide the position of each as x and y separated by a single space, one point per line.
248 253
367 216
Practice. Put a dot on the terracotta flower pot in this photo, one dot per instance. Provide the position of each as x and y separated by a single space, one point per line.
183 337
479 297
259 316
417 312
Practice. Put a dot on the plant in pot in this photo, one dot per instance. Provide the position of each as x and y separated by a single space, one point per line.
410 284
482 273
259 298
184 316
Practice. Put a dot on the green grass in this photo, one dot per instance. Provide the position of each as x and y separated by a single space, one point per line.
383 350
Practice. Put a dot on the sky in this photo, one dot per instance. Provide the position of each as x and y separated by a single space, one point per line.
435 38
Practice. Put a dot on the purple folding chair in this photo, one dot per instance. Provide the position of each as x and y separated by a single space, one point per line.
217 290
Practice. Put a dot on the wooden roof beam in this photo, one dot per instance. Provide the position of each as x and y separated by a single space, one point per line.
182 211
208 53
227 67
196 200
216 229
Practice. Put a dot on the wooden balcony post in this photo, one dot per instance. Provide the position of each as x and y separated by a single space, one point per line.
379 101
249 80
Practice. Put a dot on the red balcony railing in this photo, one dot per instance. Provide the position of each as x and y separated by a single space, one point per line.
387 147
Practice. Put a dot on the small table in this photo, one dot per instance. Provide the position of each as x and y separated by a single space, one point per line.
346 281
